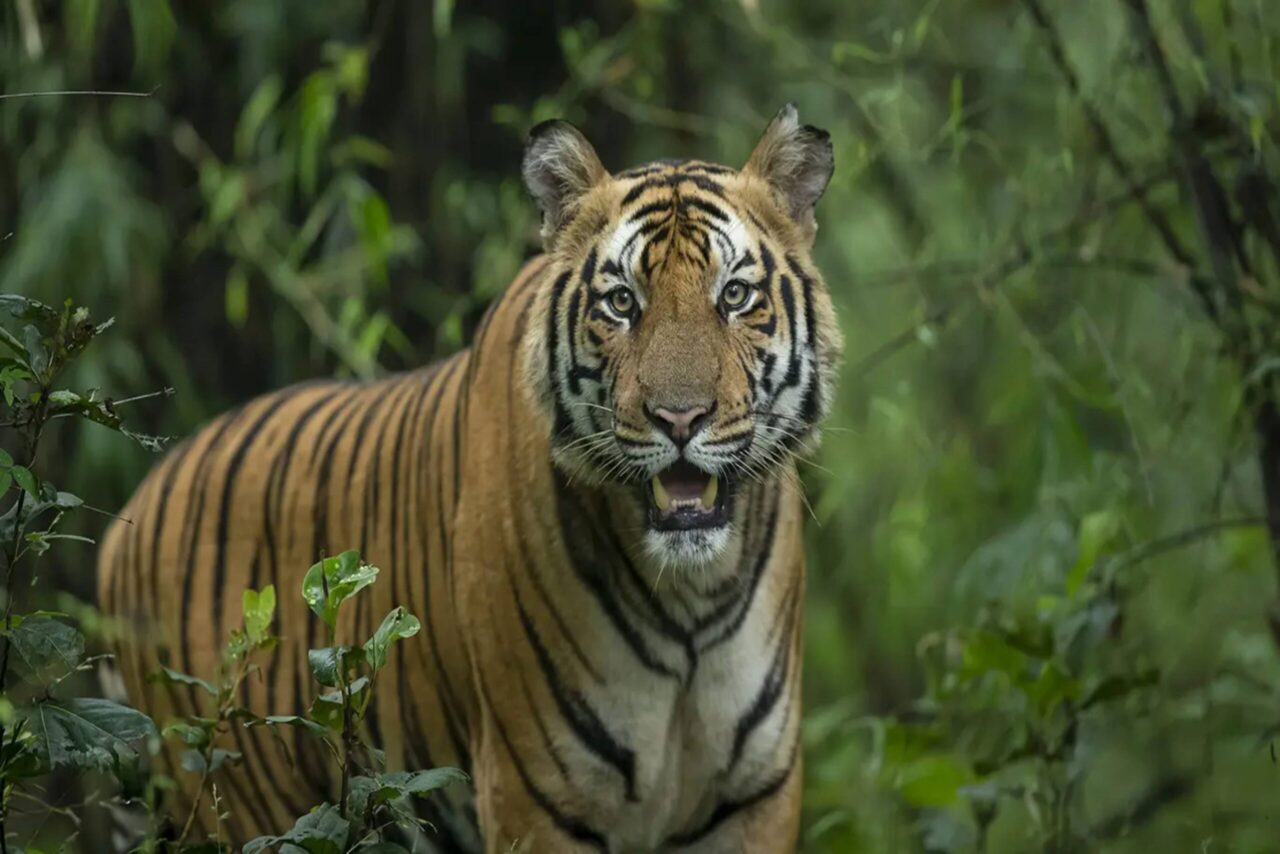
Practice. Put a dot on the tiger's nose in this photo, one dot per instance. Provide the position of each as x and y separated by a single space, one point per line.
679 424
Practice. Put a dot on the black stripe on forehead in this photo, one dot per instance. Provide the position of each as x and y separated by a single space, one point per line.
672 180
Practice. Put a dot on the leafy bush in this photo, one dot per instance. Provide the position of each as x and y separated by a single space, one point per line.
372 803
43 726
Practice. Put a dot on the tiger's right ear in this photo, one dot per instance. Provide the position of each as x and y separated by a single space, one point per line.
560 166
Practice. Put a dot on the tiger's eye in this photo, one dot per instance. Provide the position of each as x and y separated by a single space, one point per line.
735 295
622 301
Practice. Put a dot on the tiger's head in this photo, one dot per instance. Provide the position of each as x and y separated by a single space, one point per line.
685 343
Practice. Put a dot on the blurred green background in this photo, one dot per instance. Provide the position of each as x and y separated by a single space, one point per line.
1038 589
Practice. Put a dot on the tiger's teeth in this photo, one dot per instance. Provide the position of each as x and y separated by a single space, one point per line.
660 495
709 494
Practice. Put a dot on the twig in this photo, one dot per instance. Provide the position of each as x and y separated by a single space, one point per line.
1180 539
79 92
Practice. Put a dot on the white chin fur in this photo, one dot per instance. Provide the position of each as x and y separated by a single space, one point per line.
686 548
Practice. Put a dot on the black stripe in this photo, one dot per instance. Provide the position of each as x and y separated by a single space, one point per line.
573 519
572 826
770 690
706 207
727 809
577 712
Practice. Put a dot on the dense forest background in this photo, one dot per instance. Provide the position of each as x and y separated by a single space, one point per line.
1041 603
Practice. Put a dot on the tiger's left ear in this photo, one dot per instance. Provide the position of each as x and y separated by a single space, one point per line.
796 161
560 166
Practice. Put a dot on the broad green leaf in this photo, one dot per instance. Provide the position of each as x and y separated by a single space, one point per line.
86 732
325 663
293 721
372 791
259 611
934 781
321 831
6 461
397 625
25 479
45 649
24 308
332 581
165 675
423 782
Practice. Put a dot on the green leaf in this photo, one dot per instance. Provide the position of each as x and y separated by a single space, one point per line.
45 649
259 611
369 792
153 32
24 308
1097 532
256 111
25 479
423 782
397 625
321 831
191 735
325 663
293 721
332 581
6 461
934 781
37 355
86 732
327 708
172 677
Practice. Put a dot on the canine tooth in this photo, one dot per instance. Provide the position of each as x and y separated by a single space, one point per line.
709 494
660 495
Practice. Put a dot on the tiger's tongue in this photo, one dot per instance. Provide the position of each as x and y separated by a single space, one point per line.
683 482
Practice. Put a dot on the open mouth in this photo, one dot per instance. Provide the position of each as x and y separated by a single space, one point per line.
682 497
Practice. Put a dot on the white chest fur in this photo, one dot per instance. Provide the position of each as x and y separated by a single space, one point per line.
697 742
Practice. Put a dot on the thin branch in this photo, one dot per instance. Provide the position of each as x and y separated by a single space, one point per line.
79 92
1181 539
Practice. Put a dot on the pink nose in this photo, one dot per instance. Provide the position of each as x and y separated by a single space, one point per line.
679 424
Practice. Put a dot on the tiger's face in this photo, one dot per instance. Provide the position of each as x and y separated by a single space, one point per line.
685 344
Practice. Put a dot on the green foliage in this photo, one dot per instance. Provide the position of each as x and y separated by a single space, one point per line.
372 800
41 731
332 581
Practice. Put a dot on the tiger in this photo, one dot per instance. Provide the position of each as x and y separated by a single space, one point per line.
594 510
